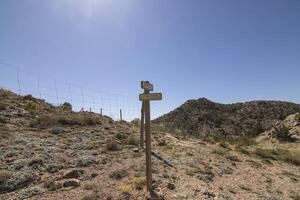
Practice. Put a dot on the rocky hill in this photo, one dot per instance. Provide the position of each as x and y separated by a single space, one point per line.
50 152
204 117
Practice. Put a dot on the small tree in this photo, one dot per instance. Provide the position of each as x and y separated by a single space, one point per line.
67 106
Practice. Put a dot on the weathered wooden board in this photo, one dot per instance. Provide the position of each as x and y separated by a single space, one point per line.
150 97
146 85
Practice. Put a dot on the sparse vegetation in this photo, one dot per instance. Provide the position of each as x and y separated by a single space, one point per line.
132 140
292 157
2 106
4 176
90 186
120 136
245 187
124 188
297 117
31 106
162 143
282 133
66 119
118 174
92 196
111 145
139 182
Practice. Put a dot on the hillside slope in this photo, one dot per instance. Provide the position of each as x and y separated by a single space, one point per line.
203 117
49 153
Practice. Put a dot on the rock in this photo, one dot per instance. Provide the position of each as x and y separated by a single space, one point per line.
52 168
57 130
35 162
31 192
135 150
155 195
171 186
53 185
71 182
205 178
73 173
94 174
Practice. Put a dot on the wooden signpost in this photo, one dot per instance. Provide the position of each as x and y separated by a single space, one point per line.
146 97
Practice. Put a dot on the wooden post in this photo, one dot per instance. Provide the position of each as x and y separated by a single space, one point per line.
148 143
146 97
142 126
101 112
120 114
90 109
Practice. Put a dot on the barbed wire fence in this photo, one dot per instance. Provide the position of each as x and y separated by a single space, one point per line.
57 92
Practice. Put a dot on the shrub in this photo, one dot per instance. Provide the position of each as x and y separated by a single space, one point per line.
111 145
4 176
90 186
297 117
124 188
224 145
2 106
292 157
120 136
162 143
66 106
92 196
131 140
139 182
282 133
118 174
43 121
31 106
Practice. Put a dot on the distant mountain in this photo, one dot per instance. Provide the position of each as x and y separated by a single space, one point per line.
204 117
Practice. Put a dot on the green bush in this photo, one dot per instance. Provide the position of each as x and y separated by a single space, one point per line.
292 157
120 136
282 133
67 106
297 117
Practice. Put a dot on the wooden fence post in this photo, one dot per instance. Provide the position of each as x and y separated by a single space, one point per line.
142 126
148 144
120 114
146 97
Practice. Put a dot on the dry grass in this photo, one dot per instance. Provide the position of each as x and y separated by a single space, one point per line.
66 118
289 156
2 106
118 174
4 176
111 145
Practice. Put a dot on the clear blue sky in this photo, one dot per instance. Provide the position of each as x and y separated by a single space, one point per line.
227 51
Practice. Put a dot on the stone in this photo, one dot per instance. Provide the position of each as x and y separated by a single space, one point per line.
71 182
73 173
31 192
135 150
57 131
171 186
